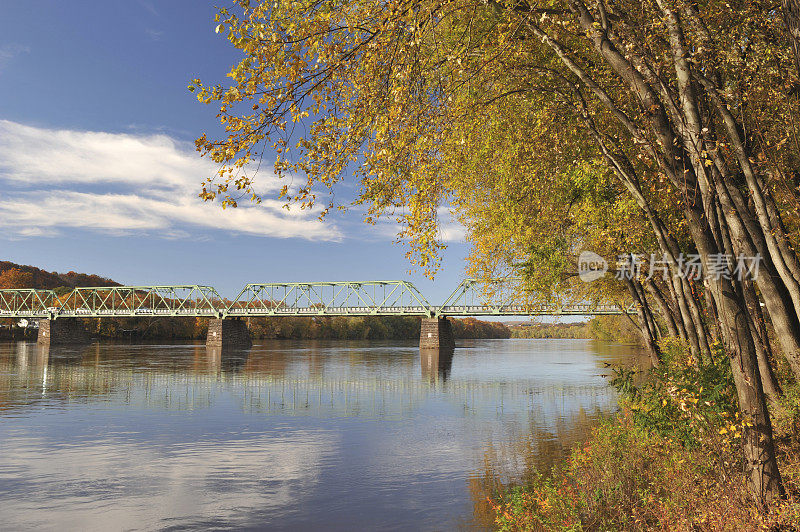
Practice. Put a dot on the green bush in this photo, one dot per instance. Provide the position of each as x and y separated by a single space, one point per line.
683 399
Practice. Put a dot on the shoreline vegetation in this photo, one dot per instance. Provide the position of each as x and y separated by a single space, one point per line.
618 329
669 459
277 328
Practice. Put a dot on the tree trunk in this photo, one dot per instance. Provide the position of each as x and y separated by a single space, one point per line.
768 380
753 304
760 463
748 239
697 319
711 308
759 453
646 323
791 14
666 309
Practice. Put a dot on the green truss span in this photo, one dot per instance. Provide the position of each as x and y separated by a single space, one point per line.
473 297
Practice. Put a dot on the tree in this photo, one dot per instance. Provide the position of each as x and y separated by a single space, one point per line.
15 278
685 103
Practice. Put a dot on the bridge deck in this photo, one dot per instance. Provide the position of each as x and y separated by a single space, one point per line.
372 298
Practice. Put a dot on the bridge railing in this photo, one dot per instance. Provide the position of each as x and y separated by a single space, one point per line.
526 310
370 298
505 297
173 300
27 302
473 297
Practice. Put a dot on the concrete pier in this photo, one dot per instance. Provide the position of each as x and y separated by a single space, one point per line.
63 331
228 333
436 333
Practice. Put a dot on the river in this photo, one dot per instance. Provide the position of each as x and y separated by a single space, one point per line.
287 435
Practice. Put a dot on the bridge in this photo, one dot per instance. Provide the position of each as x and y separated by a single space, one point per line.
472 297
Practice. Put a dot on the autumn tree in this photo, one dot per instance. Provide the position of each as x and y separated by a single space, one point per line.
685 108
15 278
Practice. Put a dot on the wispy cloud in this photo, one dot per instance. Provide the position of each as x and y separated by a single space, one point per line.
450 230
186 483
10 51
149 7
453 232
125 184
154 35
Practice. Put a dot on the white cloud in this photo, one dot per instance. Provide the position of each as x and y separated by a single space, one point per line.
149 7
154 35
450 230
9 52
194 481
126 184
453 232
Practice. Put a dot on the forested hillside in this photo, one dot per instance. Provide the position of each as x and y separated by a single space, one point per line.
20 276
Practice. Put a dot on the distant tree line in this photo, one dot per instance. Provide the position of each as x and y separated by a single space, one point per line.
606 328
292 328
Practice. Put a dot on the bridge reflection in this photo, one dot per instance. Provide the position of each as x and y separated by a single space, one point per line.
436 363
276 380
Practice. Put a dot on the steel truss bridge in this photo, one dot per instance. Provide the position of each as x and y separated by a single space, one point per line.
473 297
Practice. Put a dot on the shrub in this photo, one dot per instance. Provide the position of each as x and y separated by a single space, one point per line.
668 460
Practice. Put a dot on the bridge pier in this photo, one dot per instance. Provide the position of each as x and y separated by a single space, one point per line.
436 333
62 331
228 333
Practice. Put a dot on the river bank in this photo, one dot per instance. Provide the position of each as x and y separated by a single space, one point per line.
8 333
274 328
618 329
669 459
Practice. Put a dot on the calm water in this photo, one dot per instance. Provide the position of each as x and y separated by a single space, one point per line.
286 435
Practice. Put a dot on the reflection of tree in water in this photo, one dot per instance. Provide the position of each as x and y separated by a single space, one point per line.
541 417
27 375
289 378
516 463
299 382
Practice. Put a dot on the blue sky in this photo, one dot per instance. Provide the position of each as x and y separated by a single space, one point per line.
98 171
